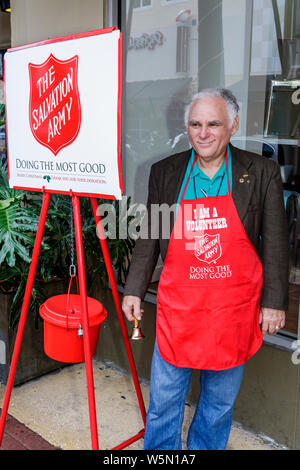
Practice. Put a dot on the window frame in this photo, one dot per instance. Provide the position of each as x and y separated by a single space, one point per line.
283 339
143 7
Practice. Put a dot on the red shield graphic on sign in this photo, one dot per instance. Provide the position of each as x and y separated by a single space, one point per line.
54 105
208 248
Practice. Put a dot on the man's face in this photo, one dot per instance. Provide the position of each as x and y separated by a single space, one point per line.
209 128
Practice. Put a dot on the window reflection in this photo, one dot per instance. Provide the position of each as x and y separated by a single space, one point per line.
141 3
176 48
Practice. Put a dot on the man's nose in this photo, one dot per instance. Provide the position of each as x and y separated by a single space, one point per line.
204 132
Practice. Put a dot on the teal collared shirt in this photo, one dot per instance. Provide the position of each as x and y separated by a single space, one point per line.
216 186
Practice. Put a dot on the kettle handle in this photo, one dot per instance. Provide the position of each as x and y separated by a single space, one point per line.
68 296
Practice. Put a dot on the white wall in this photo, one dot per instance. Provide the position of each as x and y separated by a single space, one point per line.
35 20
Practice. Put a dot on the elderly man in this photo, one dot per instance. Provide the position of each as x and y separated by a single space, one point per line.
225 275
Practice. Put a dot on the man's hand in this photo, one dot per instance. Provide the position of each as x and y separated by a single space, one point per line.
271 320
131 307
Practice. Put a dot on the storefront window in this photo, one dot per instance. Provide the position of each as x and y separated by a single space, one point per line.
173 52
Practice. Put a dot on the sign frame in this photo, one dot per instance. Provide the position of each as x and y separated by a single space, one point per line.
87 193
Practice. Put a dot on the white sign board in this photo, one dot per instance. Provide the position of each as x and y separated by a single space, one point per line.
63 113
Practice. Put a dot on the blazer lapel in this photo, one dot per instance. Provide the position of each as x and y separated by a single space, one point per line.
175 177
243 181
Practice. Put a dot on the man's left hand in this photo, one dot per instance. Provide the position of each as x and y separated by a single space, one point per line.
271 320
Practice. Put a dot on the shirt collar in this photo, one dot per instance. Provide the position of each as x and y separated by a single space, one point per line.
198 172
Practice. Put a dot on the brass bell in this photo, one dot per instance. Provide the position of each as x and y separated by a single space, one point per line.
136 333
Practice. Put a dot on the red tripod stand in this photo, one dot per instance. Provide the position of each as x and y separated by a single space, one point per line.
84 312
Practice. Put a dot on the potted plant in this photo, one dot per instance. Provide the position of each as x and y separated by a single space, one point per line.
19 216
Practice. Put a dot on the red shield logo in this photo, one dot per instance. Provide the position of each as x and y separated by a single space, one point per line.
208 248
54 105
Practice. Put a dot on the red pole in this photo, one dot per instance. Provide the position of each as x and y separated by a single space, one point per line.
118 306
127 443
85 325
27 295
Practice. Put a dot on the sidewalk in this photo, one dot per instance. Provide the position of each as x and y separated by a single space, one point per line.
52 412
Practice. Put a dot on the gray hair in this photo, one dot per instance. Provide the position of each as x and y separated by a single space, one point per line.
231 101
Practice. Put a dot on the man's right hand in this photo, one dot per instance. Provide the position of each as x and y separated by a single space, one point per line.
131 307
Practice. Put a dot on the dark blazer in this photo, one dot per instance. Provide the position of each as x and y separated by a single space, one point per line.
259 202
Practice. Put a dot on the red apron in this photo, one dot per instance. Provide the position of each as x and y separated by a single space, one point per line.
209 291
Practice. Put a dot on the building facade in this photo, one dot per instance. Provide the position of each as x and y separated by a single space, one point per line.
173 48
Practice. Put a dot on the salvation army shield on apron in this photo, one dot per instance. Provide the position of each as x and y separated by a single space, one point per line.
209 291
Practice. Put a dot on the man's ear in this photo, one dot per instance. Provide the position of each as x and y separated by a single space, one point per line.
235 125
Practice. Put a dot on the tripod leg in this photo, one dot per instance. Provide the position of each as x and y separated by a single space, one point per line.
27 295
118 306
86 339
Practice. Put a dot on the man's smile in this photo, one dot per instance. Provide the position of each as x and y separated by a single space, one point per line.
206 143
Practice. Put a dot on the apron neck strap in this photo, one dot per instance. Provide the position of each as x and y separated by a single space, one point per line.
227 172
187 181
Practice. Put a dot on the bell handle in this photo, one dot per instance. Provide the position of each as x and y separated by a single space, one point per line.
136 331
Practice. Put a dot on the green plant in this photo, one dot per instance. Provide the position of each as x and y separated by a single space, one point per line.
18 223
120 249
19 216
2 114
